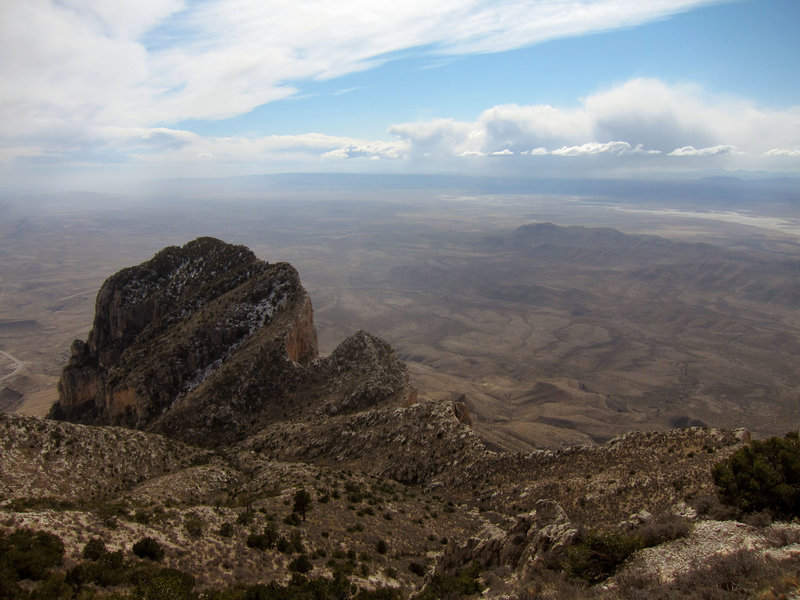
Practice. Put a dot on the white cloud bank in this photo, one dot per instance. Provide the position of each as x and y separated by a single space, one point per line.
659 129
642 122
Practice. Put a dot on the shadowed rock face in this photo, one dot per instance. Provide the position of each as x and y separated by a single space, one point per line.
205 342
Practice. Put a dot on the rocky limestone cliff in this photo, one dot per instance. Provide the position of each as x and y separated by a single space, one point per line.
165 326
536 540
207 343
263 386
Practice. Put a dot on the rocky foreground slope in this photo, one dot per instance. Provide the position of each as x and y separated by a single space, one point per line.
208 356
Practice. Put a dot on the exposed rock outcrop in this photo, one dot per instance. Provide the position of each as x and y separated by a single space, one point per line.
537 540
461 410
207 343
421 444
709 540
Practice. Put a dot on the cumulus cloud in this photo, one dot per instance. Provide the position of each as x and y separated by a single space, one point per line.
783 152
637 121
602 148
78 65
166 146
711 151
441 137
365 149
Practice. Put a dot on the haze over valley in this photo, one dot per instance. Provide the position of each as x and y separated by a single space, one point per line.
562 318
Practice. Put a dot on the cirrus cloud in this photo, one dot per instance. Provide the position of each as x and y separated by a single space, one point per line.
72 67
92 82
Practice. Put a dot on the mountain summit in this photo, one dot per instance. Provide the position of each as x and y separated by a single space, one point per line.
206 342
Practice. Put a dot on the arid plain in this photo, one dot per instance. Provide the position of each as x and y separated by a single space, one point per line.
557 329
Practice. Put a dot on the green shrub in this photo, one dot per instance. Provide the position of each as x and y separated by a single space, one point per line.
257 541
663 528
302 502
245 517
265 540
344 569
464 583
300 564
147 547
764 475
292 519
597 557
142 516
300 587
113 560
379 594
226 530
98 572
381 547
416 569
27 554
296 542
194 525
167 584
94 549
54 587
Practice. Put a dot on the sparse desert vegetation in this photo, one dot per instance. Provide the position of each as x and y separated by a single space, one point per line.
355 487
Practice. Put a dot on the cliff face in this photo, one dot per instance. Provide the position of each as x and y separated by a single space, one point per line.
207 343
164 329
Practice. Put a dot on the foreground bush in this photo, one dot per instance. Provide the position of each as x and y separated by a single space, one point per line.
148 548
300 564
463 583
764 475
597 557
25 554
732 576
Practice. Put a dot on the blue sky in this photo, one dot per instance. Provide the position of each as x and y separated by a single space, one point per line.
703 45
111 94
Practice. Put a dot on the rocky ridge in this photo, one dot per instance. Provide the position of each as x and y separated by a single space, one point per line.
62 461
206 344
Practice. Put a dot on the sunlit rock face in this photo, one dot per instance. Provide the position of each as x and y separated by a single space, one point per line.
163 330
